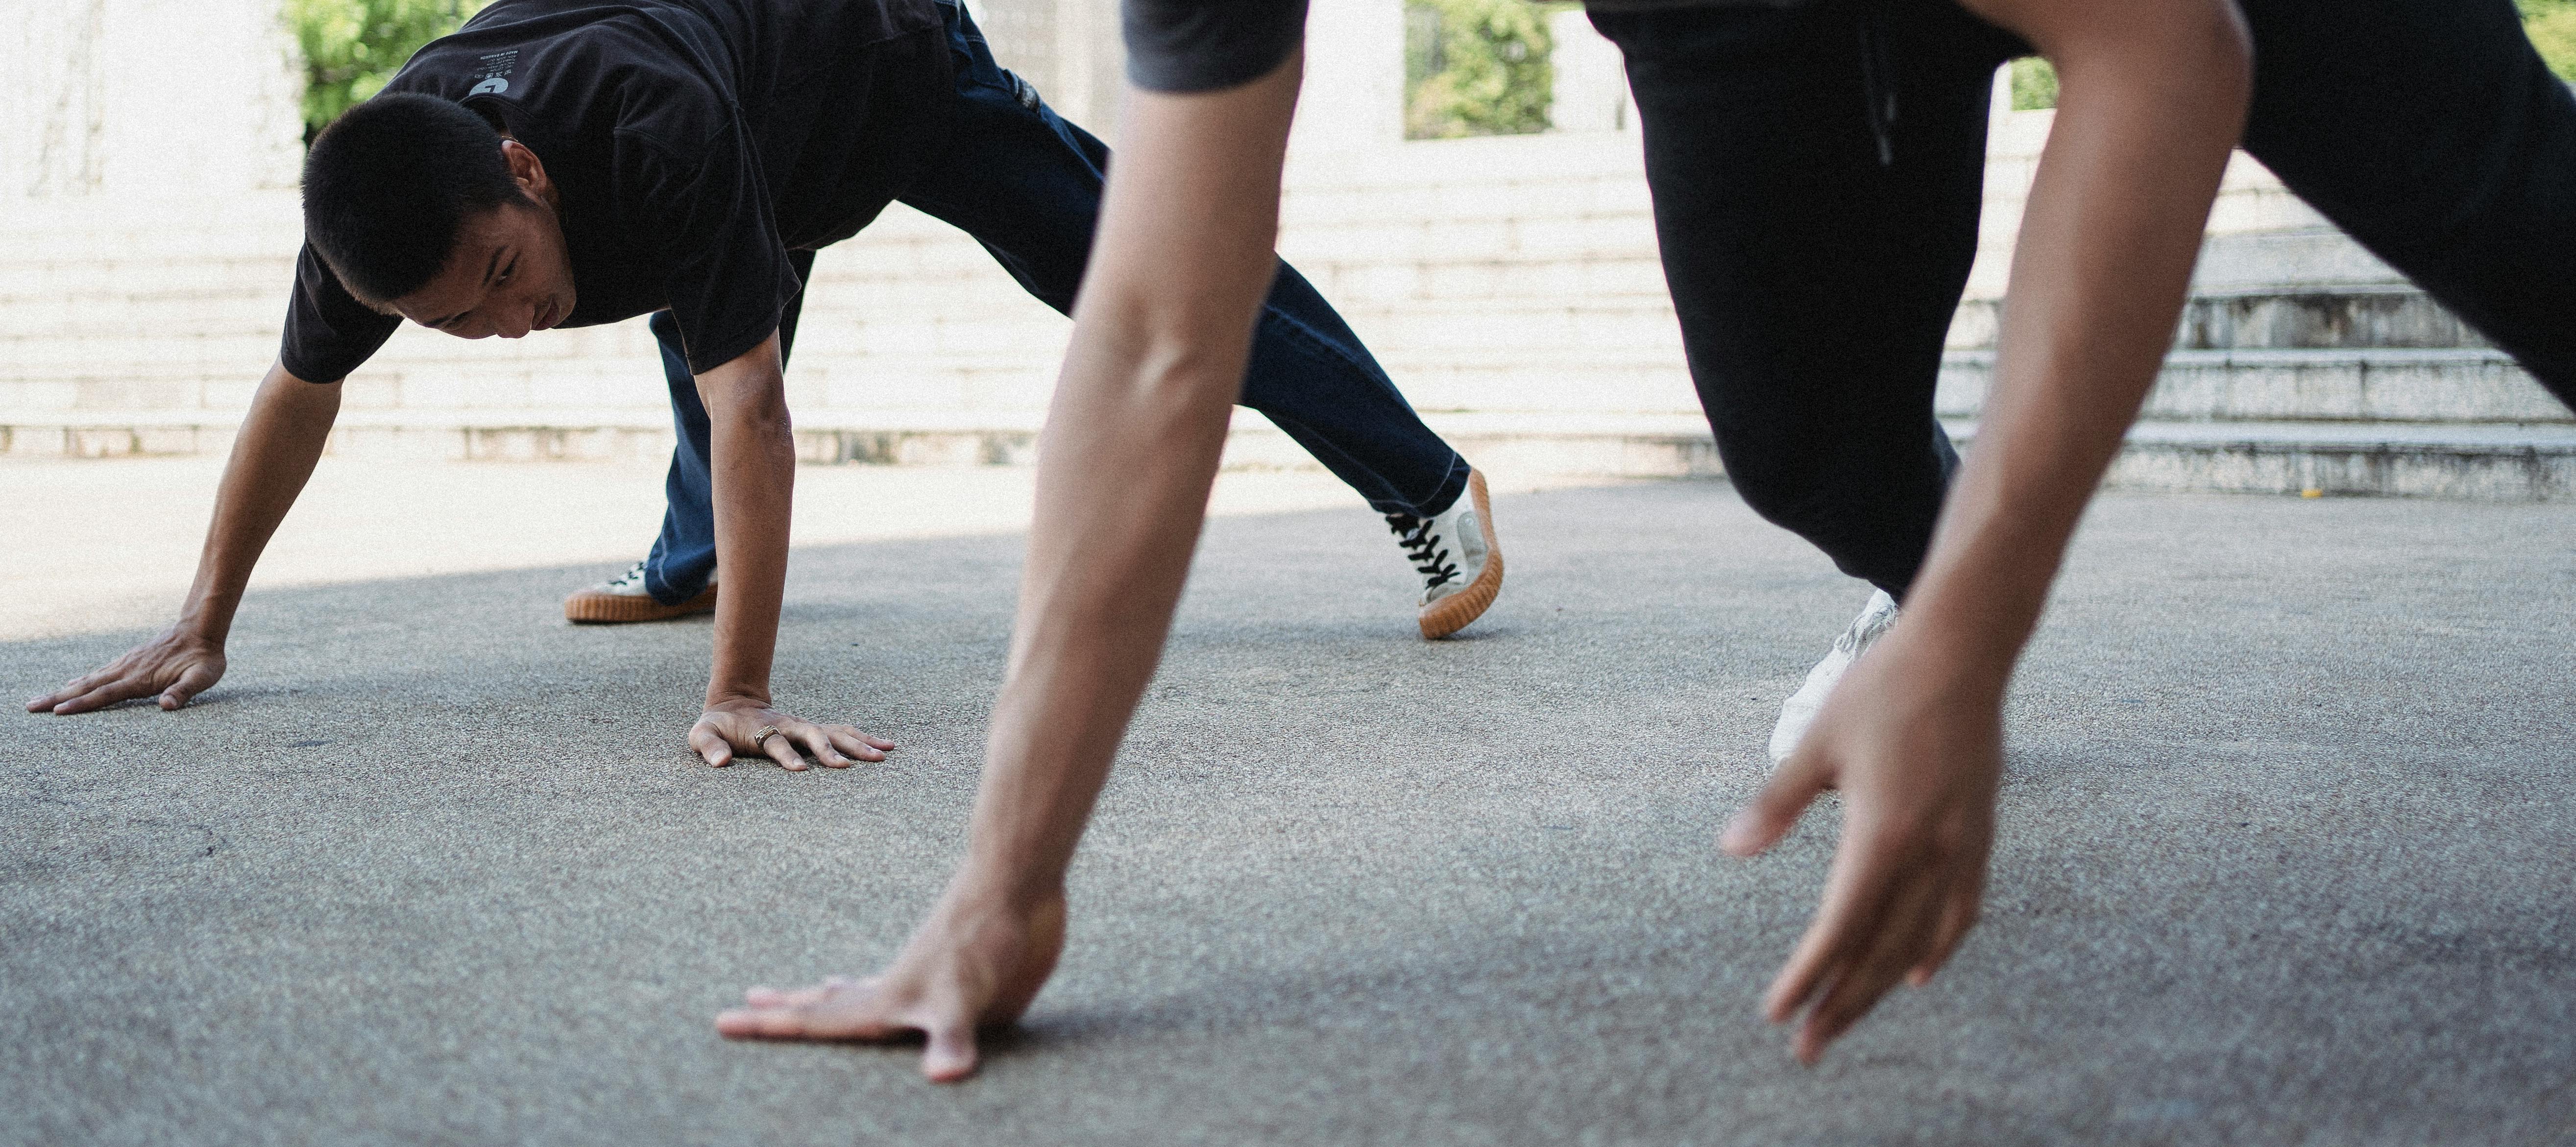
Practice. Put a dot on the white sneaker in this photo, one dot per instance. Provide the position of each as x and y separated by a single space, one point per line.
1458 556
624 600
1800 711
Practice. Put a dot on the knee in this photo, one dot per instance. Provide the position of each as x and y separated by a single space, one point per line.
1868 502
1781 476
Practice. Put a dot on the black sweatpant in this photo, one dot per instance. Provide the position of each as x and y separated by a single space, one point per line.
1817 174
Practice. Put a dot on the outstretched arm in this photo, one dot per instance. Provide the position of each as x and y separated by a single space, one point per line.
752 453
2152 98
281 438
1162 330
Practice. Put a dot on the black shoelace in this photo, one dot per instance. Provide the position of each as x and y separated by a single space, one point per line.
1423 547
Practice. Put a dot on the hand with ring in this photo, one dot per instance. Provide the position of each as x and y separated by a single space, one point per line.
731 728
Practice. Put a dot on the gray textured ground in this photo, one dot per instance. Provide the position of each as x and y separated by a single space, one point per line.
2286 856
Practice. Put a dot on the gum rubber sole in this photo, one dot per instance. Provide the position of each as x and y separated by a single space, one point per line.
1452 613
592 607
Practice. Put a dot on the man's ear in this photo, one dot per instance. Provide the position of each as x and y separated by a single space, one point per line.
528 170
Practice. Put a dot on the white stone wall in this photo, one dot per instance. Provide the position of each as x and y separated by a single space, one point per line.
147 99
148 226
53 112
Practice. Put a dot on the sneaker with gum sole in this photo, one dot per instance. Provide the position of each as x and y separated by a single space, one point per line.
624 600
1458 556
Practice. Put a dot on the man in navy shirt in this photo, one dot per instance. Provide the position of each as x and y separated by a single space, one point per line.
574 162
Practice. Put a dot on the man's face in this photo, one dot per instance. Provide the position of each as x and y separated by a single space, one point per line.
509 273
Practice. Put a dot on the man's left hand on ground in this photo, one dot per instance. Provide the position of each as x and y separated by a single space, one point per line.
1918 754
733 728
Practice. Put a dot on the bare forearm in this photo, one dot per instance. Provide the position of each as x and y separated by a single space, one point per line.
1131 446
2144 126
752 455
282 437
1122 487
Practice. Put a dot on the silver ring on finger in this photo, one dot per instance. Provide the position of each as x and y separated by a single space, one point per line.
765 733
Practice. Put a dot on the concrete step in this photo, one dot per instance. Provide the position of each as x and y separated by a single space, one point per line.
2316 257
2474 463
2482 463
2414 386
2282 318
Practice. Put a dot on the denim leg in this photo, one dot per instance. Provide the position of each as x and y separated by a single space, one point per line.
1814 275
1312 378
683 558
1026 184
2433 133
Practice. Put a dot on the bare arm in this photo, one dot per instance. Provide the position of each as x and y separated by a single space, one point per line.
1131 446
281 438
1162 330
2153 96
752 456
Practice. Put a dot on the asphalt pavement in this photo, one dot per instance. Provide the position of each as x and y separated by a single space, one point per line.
2285 855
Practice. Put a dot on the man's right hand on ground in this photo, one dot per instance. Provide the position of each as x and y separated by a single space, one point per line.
976 963
178 665
281 437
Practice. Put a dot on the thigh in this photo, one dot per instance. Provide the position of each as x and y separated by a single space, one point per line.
1815 277
1021 180
2432 132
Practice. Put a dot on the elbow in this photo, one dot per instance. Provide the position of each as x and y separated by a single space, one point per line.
773 427
759 412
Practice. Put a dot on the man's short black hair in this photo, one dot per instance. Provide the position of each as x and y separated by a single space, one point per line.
388 185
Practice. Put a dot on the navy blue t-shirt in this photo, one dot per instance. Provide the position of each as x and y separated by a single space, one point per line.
695 143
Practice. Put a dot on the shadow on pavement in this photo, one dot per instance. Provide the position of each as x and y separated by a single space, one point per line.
2283 855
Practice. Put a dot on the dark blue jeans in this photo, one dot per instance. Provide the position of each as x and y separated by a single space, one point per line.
1816 251
1026 185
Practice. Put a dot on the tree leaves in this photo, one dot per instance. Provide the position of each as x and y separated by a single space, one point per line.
352 47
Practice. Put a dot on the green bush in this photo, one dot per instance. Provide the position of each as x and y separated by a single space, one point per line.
2034 84
2552 24
1476 67
351 47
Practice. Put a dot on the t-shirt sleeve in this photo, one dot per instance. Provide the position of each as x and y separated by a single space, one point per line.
329 333
730 276
1207 45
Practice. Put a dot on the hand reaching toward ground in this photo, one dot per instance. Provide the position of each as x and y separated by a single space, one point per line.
1917 753
975 963
729 728
177 665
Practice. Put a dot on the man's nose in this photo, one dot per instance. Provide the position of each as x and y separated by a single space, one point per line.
518 325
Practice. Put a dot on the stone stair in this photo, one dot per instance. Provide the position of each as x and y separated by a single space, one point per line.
2303 365
1510 285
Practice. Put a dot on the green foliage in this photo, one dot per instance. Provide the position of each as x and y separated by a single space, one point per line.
2552 25
351 47
2034 84
1476 67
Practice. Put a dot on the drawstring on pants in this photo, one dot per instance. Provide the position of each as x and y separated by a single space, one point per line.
1878 77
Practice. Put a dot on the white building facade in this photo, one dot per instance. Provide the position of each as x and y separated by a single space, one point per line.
148 225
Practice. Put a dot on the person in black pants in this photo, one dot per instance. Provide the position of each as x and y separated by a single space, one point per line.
1817 173
1816 168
